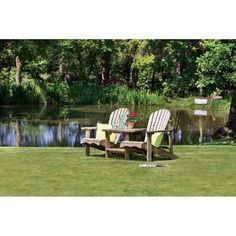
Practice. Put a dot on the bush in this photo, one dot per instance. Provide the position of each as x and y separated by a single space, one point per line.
28 93
31 93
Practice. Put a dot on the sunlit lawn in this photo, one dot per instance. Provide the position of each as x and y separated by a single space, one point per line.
199 171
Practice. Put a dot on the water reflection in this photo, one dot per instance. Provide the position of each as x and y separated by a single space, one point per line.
24 133
197 126
62 126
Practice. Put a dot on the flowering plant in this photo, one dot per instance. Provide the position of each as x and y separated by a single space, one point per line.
131 117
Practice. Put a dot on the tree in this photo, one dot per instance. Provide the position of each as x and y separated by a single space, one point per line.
229 130
142 65
216 67
175 66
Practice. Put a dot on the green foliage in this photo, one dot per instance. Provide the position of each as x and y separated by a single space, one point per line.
114 94
172 68
91 94
216 67
6 86
221 104
144 64
57 93
29 93
136 97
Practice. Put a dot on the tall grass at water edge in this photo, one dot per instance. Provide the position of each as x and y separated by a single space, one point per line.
95 94
31 93
114 94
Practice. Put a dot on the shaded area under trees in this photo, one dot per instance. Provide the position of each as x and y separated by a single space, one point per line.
173 68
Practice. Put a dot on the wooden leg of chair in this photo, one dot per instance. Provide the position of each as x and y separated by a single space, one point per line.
126 154
87 147
126 150
170 138
149 147
87 150
107 144
87 133
164 153
170 142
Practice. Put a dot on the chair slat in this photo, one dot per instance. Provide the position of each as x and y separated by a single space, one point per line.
117 115
158 120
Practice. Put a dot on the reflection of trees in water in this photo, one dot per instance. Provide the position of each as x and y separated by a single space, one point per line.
194 129
23 133
18 132
177 134
7 135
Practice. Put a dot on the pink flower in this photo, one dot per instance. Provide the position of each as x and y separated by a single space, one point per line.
132 114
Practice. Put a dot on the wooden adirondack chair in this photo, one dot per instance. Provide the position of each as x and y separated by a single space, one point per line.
99 141
159 122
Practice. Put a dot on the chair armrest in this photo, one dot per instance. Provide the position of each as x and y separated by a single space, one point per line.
155 131
88 131
125 131
89 128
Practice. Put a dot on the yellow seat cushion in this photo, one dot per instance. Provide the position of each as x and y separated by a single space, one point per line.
101 134
157 138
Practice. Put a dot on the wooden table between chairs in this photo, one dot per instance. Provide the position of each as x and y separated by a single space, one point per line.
126 133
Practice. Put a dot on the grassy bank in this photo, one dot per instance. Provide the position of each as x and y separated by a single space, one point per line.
189 102
200 171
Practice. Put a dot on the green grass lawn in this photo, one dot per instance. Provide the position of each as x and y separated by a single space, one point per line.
199 171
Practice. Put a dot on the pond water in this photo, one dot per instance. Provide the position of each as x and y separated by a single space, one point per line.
50 126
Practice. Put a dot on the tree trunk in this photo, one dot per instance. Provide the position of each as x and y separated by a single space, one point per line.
229 130
231 124
59 132
18 70
134 77
105 68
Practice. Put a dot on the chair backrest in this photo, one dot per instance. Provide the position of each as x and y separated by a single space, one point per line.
117 119
158 120
116 115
